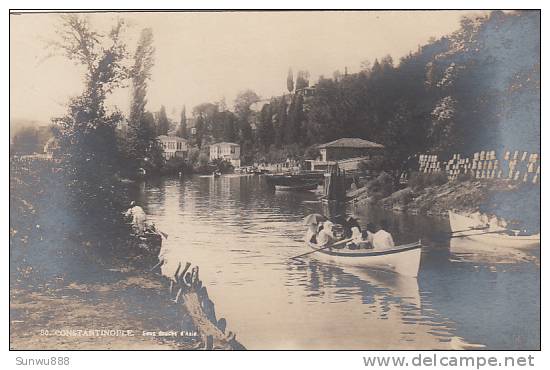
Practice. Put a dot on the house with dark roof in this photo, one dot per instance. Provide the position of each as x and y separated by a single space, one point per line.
348 148
347 153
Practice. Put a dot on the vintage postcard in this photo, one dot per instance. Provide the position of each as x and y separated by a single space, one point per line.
275 180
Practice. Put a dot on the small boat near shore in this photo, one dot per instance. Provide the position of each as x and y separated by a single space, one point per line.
403 259
298 187
295 178
469 228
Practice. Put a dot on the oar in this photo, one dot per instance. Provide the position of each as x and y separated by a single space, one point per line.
488 232
470 229
313 251
320 249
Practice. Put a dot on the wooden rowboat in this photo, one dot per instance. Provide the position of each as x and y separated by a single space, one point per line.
468 228
299 187
403 259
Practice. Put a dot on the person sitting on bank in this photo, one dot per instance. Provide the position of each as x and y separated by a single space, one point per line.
138 218
382 239
325 235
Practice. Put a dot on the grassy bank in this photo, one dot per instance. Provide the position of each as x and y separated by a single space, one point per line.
74 272
42 314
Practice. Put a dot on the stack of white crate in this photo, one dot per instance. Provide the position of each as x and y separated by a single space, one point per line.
515 166
428 163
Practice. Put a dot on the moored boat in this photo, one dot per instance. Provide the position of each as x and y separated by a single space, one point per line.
295 179
299 187
402 259
467 227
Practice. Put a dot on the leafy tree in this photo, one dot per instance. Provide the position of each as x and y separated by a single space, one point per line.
193 155
266 131
200 129
296 118
203 159
26 141
243 101
302 80
86 133
208 125
280 121
230 127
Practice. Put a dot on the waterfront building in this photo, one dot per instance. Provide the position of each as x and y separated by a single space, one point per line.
173 146
346 152
228 151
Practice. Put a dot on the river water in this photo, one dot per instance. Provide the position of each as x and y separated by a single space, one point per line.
242 234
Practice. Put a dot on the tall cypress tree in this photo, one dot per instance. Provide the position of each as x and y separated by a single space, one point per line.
163 125
290 81
182 129
140 135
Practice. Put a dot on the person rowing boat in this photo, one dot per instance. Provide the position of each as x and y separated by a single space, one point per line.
357 251
321 233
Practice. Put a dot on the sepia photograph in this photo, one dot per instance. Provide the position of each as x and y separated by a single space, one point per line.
275 180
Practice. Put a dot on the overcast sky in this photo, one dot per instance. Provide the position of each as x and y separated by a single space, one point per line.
202 57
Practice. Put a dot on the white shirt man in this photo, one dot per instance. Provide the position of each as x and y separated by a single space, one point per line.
138 217
382 240
356 235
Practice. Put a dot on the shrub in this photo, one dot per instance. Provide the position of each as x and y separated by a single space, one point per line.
403 196
175 165
223 165
193 155
203 159
464 177
374 164
382 186
312 152
418 180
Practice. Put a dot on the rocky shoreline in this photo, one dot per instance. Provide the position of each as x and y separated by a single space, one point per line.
512 201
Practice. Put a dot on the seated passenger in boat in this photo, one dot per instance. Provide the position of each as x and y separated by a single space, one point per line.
311 233
368 235
362 240
349 225
325 235
383 239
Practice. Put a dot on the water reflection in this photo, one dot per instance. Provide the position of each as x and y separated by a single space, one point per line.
242 233
466 250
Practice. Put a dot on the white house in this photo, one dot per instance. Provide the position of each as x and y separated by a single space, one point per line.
173 146
228 151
